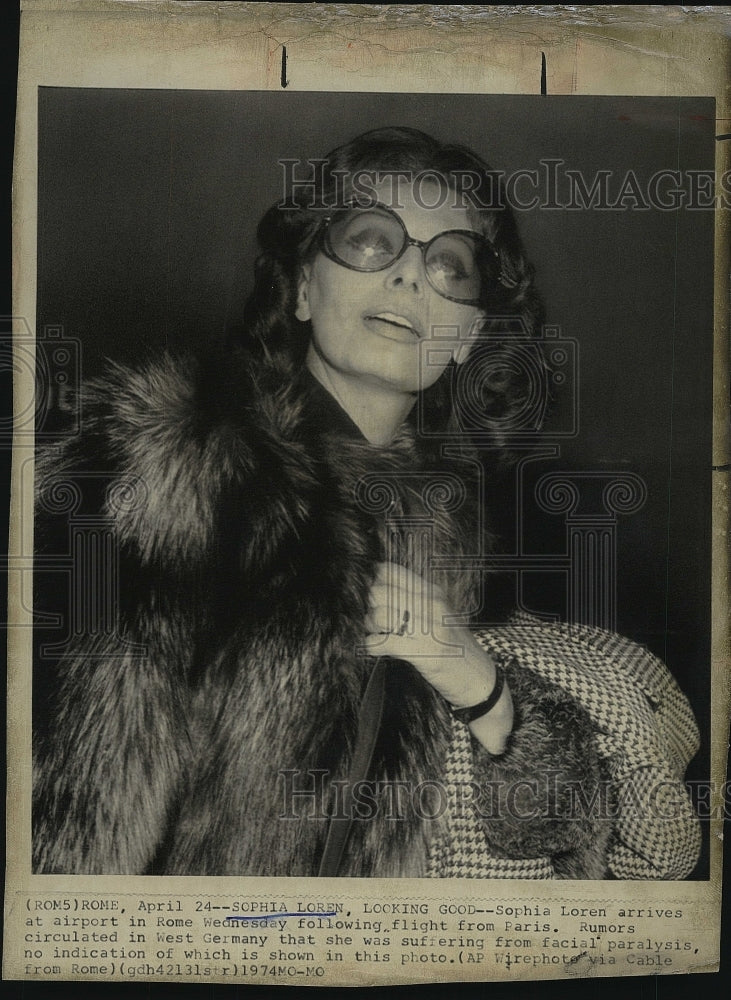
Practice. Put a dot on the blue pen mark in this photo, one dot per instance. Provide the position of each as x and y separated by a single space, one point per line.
277 916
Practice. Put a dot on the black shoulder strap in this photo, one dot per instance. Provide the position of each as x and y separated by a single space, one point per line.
369 724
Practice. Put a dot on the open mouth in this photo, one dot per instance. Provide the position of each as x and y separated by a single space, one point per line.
397 323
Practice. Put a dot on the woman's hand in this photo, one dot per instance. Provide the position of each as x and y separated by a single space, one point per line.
406 622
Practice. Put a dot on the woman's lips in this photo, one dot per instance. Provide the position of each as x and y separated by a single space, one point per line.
397 323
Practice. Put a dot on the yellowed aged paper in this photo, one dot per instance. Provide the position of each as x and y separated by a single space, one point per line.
115 65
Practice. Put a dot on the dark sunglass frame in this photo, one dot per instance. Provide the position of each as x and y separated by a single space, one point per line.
408 241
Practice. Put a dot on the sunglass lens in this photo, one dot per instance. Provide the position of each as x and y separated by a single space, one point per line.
452 266
365 240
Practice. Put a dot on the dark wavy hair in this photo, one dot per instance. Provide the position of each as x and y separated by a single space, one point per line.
500 385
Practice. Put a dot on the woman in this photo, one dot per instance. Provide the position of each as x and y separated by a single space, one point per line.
288 690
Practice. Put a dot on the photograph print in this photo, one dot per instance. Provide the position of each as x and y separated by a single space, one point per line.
372 485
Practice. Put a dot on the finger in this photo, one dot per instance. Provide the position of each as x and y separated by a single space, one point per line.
420 594
406 594
382 593
387 644
398 570
393 578
380 644
401 576
384 616
379 619
392 609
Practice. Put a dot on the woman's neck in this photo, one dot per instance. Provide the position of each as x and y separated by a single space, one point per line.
377 410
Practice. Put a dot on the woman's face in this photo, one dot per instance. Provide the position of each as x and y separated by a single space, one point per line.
389 327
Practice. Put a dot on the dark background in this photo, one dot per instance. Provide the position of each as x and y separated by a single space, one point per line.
637 988
148 203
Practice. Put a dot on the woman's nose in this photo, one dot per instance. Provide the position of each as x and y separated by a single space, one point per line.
408 271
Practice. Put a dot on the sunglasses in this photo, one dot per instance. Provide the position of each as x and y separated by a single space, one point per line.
456 262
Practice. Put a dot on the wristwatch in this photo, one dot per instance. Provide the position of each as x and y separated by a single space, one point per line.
473 712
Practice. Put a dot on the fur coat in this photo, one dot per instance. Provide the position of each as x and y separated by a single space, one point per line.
246 519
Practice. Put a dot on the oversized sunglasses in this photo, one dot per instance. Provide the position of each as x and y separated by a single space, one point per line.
456 261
